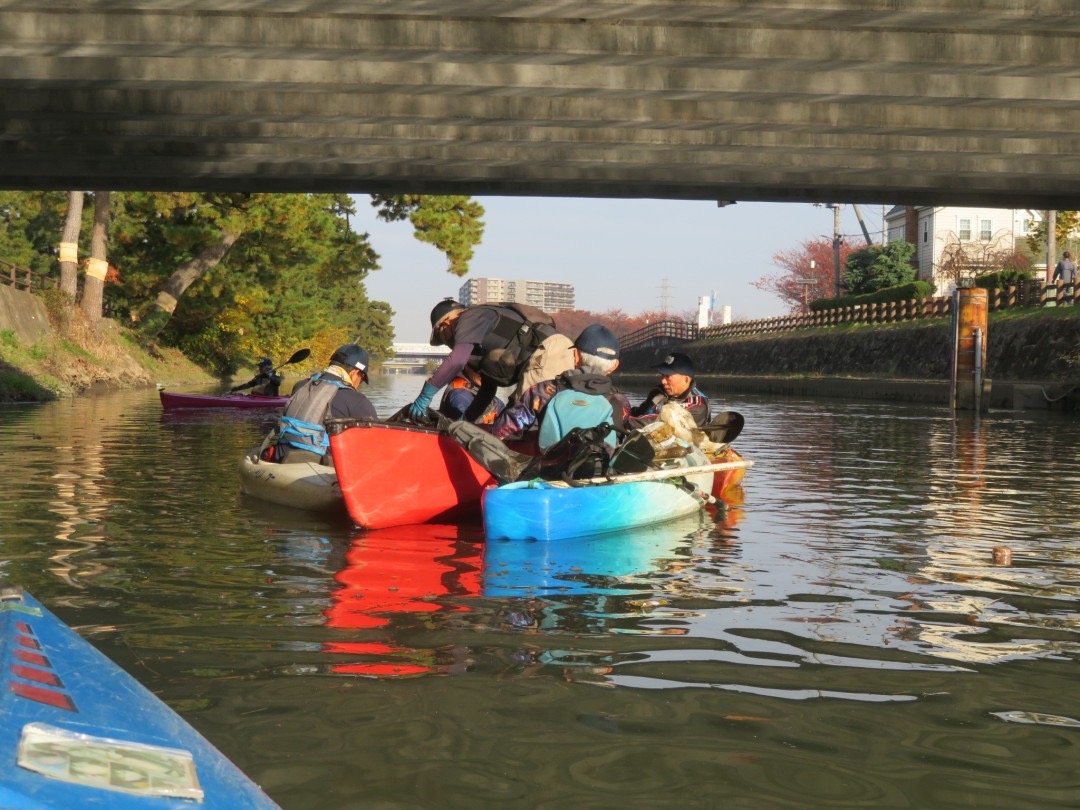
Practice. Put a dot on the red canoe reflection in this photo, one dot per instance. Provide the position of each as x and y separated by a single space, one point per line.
393 574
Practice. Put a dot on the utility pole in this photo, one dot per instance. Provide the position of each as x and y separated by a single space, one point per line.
836 240
1051 244
664 296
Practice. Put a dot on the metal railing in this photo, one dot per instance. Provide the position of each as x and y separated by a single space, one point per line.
23 277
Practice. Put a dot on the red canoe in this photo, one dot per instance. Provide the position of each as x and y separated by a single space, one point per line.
393 474
171 401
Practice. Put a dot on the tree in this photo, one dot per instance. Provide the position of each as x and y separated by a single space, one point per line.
571 322
812 263
879 266
1067 231
30 222
69 246
98 266
273 271
453 223
960 260
230 277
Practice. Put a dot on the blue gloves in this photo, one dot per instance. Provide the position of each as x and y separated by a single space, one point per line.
418 410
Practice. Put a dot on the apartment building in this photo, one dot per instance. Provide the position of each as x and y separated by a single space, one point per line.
550 296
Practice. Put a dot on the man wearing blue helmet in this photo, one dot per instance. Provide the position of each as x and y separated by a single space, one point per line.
332 393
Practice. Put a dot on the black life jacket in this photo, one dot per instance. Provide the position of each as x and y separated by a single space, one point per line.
508 345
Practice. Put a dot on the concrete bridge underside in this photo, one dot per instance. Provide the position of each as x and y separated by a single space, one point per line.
886 101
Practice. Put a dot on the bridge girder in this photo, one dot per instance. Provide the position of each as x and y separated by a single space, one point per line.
926 102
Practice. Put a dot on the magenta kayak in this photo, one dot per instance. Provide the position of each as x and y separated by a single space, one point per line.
171 401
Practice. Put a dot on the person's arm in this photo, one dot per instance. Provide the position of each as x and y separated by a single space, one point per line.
650 405
249 384
484 397
449 368
698 405
515 419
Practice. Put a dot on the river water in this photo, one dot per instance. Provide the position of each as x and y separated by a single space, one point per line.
841 638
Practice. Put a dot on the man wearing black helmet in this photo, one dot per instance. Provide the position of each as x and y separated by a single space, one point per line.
332 393
495 339
676 385
267 382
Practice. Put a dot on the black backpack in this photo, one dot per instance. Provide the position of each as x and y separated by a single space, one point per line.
505 365
581 453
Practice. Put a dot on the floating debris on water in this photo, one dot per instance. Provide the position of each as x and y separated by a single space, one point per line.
1037 718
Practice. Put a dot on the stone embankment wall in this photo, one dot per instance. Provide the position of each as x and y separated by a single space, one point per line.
24 314
910 362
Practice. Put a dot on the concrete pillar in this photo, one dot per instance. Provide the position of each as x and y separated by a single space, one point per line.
970 385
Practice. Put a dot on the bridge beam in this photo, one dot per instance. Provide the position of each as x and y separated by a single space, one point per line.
926 102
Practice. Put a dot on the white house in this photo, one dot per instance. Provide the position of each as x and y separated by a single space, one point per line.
934 230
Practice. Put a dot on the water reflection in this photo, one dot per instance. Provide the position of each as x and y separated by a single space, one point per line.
841 637
393 579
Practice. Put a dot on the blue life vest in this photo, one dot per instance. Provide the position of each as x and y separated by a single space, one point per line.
301 426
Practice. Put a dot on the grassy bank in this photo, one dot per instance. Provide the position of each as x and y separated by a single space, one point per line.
73 360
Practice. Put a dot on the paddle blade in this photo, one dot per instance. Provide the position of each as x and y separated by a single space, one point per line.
298 355
725 426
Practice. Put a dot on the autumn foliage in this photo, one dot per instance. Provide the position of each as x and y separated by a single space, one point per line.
812 262
571 322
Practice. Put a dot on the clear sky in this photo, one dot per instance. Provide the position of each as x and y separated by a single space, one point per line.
616 253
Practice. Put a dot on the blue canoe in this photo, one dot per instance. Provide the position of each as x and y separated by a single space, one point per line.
553 510
79 732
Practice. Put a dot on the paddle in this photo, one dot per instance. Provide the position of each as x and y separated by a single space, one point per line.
302 354
725 426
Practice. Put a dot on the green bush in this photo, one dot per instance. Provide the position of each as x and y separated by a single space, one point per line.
912 290
1002 279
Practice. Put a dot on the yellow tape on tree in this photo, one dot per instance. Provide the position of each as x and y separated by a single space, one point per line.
69 251
97 268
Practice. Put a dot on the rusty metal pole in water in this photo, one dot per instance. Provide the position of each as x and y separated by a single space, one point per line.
969 352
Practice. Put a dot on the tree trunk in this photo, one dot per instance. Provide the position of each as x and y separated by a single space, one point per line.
182 278
98 266
69 246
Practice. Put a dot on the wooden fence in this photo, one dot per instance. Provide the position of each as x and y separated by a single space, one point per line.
24 278
1027 294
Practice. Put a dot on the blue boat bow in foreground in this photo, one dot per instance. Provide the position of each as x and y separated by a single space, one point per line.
80 732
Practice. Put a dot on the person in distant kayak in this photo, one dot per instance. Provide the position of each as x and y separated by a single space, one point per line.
267 382
676 385
461 392
332 393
